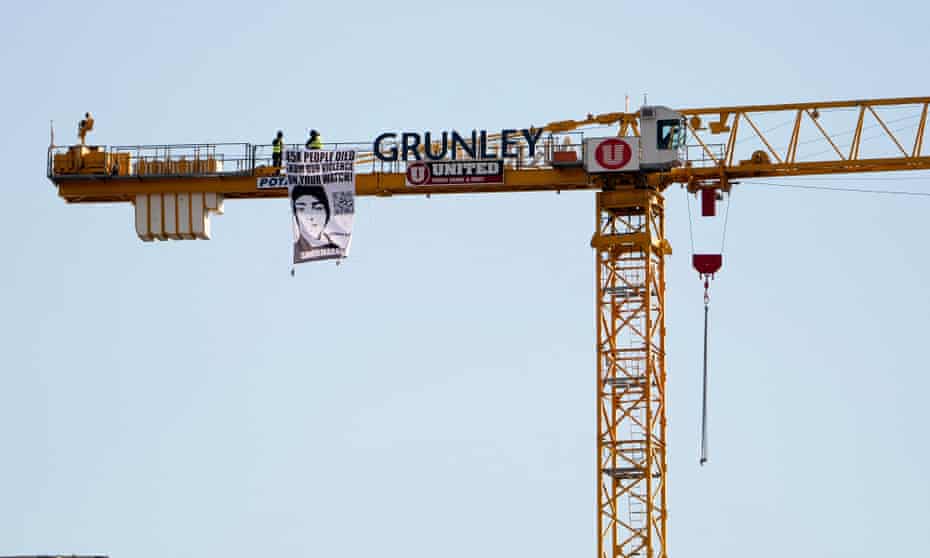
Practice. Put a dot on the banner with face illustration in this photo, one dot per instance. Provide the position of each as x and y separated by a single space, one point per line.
321 188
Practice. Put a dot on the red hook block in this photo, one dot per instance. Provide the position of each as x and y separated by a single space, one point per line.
707 264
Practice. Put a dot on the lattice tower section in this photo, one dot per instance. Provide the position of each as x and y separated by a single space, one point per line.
631 494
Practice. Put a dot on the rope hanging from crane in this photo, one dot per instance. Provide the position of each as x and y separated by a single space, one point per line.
703 458
706 265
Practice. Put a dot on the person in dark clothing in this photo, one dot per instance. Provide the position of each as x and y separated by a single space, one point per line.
85 126
315 141
277 148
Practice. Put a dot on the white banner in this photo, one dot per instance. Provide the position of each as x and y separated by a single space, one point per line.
321 187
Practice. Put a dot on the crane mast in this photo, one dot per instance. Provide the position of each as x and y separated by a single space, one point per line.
630 249
174 189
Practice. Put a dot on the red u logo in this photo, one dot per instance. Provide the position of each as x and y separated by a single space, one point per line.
417 173
613 154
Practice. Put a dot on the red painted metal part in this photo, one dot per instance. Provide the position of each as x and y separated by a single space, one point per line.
708 202
707 264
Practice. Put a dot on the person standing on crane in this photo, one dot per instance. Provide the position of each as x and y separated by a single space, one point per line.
277 148
315 142
85 126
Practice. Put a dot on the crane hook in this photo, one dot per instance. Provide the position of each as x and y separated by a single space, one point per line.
706 265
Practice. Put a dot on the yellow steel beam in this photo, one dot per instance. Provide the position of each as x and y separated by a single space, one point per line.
792 151
857 135
919 138
731 143
761 137
887 131
723 112
88 188
706 149
768 170
825 135
803 106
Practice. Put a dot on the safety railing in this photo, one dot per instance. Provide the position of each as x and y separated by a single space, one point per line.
215 159
697 155
188 159
245 159
263 155
219 159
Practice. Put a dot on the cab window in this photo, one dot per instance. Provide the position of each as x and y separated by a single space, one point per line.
671 134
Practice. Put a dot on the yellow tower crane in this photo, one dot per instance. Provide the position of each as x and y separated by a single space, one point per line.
175 188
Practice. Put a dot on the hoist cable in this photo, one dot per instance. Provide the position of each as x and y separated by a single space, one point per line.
703 459
726 219
864 128
690 225
835 189
858 178
767 130
861 141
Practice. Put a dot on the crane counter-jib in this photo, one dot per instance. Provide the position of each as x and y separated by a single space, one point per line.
91 189
89 174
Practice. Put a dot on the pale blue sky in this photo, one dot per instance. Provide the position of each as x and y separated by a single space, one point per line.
435 395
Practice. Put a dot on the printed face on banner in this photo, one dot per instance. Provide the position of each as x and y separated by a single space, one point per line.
321 185
312 214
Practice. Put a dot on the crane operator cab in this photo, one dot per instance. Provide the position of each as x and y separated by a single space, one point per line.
662 134
658 147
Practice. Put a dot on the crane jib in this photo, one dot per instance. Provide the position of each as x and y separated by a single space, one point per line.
453 145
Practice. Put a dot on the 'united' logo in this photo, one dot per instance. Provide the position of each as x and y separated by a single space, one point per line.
417 173
613 153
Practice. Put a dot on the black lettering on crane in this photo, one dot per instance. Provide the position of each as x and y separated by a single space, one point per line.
377 149
428 143
458 141
407 145
531 139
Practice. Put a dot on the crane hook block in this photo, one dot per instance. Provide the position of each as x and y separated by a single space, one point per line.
707 264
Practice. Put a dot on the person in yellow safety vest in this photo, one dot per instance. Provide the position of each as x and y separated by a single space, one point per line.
277 147
85 126
315 142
